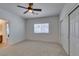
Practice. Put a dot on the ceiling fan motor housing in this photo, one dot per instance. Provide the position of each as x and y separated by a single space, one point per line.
30 6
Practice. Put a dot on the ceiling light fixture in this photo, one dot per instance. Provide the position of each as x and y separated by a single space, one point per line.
30 11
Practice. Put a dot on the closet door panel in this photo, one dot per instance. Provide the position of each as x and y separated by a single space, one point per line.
74 33
72 45
77 35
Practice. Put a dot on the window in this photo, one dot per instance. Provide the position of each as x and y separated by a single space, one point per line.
41 28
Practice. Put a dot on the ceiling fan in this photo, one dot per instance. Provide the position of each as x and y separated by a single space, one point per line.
29 8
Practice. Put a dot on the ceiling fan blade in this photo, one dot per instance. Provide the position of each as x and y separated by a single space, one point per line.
25 11
37 9
22 7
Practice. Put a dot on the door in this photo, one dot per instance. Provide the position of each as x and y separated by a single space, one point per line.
74 32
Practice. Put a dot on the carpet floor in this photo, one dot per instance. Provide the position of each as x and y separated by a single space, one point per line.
33 48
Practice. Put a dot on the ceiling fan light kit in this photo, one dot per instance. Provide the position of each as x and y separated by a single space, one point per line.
30 8
30 11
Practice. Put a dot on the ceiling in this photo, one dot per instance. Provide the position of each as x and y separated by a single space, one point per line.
48 9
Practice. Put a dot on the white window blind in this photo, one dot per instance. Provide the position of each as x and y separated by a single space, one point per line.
41 28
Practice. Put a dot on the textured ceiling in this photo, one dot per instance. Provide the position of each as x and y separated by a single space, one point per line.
48 9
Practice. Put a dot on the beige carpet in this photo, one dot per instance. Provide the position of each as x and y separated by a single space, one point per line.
33 48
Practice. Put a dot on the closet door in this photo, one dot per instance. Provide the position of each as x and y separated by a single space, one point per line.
72 37
74 32
77 33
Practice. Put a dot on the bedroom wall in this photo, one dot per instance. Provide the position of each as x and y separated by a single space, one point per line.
64 34
16 25
52 36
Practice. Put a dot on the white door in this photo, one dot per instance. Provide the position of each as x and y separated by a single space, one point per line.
74 32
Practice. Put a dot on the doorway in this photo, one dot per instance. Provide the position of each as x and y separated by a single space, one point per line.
3 33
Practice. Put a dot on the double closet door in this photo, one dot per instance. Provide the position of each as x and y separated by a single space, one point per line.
74 32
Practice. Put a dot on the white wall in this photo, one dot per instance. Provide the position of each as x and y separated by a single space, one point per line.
16 24
52 36
64 34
